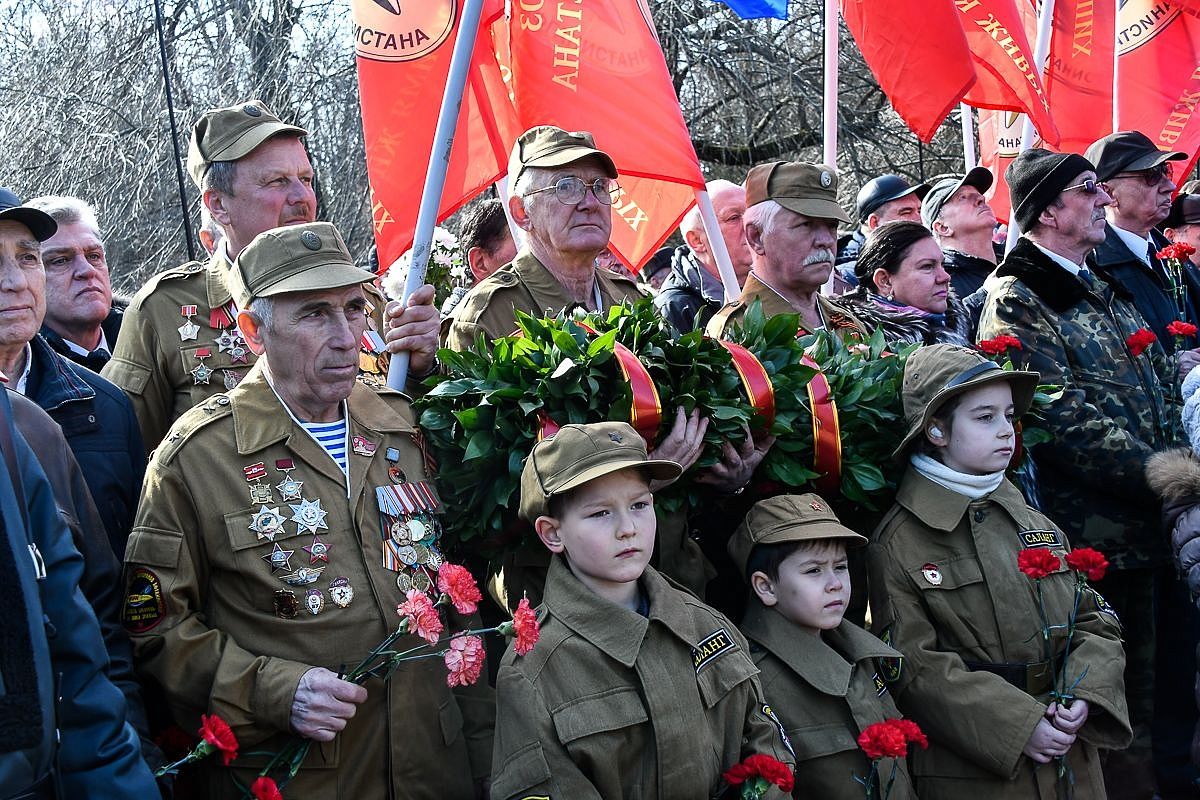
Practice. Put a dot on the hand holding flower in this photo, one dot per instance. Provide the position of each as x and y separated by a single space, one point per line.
1068 720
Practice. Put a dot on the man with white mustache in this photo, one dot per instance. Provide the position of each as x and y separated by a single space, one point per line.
791 226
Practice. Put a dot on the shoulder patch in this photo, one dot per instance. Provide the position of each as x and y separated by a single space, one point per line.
1104 606
770 714
1040 537
145 606
889 668
712 647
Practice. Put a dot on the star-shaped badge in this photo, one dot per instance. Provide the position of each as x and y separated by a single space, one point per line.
317 551
201 373
289 488
188 331
267 522
229 339
279 558
309 516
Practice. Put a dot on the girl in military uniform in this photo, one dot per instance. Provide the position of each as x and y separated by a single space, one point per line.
947 593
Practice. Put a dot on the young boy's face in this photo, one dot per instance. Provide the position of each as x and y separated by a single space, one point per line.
813 586
606 531
980 440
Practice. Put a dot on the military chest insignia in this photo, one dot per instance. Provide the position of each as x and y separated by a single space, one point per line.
287 606
278 558
222 316
932 574
392 456
260 493
1039 538
231 340
711 648
341 592
309 516
880 685
303 576
232 378
362 446
145 605
188 330
289 487
314 601
267 523
317 551
203 372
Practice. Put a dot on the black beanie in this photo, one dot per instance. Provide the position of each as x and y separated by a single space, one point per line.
1036 177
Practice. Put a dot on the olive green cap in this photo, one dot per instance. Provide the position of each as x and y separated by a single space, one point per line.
808 189
227 134
295 258
576 454
787 518
548 146
934 374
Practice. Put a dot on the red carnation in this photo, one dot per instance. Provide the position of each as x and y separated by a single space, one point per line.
264 788
883 740
1088 561
1139 340
422 617
1181 328
999 345
1179 250
1037 562
524 628
216 733
912 732
762 766
464 660
456 582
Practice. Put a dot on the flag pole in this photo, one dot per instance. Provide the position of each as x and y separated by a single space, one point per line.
435 175
716 242
1041 49
968 138
830 110
1116 106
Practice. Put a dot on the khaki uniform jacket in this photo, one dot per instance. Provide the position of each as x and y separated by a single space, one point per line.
213 623
153 364
836 317
826 690
945 589
613 705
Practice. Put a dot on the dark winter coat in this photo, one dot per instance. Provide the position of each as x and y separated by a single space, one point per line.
903 324
689 290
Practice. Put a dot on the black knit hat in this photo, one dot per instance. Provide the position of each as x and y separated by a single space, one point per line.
1036 177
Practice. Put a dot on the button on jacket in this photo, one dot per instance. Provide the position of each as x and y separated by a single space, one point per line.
945 589
612 705
825 690
223 642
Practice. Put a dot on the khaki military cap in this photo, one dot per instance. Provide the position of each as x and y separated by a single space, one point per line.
576 454
296 258
227 134
808 189
934 374
548 146
787 518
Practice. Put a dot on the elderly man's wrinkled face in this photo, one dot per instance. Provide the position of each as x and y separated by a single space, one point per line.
555 227
967 211
1141 199
78 293
729 205
797 252
1079 214
22 284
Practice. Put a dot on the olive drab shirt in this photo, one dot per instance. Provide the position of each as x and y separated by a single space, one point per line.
946 592
251 561
826 690
611 704
179 344
836 317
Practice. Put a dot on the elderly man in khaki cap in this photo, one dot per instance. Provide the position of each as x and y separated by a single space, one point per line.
180 342
279 527
791 225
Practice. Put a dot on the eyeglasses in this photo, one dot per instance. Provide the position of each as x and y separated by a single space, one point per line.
1088 186
570 190
1152 176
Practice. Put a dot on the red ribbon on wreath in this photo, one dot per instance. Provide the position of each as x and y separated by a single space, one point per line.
827 435
755 381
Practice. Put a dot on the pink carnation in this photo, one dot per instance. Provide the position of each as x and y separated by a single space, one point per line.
422 617
457 584
464 660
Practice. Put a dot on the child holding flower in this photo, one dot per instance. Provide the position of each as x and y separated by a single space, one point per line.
963 575
636 688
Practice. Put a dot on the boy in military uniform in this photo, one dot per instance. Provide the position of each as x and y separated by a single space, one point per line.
636 689
946 592
822 674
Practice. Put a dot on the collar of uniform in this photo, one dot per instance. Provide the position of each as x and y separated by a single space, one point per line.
258 420
827 661
218 268
942 509
772 301
548 293
617 631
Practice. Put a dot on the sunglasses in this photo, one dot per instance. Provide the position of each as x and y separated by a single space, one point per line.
1152 176
570 191
1088 186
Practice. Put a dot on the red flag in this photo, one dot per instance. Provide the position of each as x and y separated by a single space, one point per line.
596 65
999 144
403 51
1079 72
918 54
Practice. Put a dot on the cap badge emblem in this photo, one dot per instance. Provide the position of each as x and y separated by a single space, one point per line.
616 437
310 240
815 506
826 179
252 110
932 574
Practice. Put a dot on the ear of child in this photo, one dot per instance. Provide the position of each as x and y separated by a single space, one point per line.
763 588
547 529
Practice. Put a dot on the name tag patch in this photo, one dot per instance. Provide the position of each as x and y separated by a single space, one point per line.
1039 538
144 603
712 648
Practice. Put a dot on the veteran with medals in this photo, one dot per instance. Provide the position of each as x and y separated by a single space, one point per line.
280 526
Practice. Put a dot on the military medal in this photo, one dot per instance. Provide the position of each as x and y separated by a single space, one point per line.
395 474
408 527
286 604
309 516
932 574
361 446
341 592
317 551
267 523
302 576
203 371
289 487
231 378
314 601
278 558
189 329
229 341
421 582
260 493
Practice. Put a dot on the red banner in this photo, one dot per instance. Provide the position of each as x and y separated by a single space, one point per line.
999 143
1079 72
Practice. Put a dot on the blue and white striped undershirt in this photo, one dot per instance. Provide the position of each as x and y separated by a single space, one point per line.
332 438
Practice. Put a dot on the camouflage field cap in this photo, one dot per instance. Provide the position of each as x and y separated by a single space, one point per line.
934 374
576 454
548 146
808 189
227 134
295 258
787 518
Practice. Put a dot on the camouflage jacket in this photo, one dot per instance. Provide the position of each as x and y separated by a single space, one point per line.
1111 415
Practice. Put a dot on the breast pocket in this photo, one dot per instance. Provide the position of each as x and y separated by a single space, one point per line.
607 712
817 741
213 373
958 602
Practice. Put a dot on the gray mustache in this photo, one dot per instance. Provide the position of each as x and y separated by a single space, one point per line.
819 256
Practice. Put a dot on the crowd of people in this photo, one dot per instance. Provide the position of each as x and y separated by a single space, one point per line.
213 504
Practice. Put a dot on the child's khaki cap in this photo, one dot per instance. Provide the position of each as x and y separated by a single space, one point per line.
576 454
787 518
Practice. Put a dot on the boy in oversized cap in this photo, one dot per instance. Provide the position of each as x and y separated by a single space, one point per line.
636 688
825 676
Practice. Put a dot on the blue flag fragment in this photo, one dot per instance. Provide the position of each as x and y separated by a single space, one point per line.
757 9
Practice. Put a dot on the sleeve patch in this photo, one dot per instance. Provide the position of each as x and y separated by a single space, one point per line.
144 603
711 648
770 713
1039 538
880 684
1104 606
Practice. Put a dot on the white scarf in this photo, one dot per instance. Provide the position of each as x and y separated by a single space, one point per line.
973 486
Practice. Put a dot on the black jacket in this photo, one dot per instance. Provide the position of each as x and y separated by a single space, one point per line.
967 272
111 327
690 289
98 422
849 246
